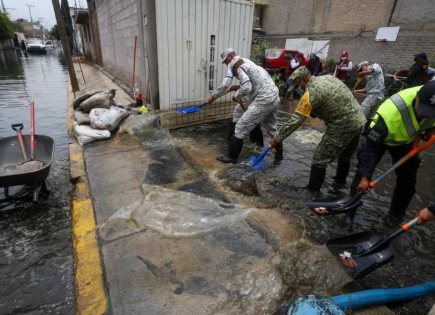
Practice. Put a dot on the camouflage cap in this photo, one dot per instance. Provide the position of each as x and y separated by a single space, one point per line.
299 74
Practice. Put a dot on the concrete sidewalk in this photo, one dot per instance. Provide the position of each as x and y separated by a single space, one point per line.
247 267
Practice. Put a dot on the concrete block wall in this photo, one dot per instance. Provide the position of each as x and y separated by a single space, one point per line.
392 56
350 16
284 16
118 23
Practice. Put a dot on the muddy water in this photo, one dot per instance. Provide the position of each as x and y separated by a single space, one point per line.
282 185
35 240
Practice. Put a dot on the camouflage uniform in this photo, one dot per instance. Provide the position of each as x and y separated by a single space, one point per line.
330 100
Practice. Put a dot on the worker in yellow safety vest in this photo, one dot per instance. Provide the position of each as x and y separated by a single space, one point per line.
394 127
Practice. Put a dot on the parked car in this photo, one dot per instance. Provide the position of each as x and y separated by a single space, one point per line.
277 60
49 45
36 46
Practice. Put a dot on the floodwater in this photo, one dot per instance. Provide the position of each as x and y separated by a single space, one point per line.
282 185
36 267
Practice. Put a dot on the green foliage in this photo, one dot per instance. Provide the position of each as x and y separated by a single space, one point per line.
7 28
257 51
54 32
329 66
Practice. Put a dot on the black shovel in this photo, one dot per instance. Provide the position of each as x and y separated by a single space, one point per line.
366 251
336 206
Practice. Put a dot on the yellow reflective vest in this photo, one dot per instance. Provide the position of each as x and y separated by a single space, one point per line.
399 116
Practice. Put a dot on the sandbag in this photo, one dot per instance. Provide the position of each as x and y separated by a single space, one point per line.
102 118
85 96
99 100
139 124
86 134
81 118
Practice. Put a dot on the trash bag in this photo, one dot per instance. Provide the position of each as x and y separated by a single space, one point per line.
85 134
81 118
139 124
102 118
85 96
172 213
99 100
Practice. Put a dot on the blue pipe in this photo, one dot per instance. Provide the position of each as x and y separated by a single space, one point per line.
382 296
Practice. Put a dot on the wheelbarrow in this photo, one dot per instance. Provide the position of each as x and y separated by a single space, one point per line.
11 157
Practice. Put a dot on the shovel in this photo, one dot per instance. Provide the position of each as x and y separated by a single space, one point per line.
336 206
31 165
257 162
366 251
197 108
18 128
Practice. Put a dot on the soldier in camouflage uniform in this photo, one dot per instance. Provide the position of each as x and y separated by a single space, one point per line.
330 100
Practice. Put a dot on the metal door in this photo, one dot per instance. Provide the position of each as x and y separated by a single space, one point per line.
190 37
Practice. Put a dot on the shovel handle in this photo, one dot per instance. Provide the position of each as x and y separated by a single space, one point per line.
32 130
17 127
408 225
416 148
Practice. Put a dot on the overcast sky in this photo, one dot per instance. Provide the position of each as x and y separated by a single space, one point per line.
43 10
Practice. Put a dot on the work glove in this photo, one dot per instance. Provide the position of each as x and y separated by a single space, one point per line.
424 215
273 143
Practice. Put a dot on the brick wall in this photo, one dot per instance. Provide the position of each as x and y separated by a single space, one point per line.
351 16
118 23
390 55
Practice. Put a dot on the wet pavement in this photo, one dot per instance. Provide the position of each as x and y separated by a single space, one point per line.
36 266
282 185
152 266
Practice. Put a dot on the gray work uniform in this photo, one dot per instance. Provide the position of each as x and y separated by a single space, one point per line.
375 91
226 84
260 92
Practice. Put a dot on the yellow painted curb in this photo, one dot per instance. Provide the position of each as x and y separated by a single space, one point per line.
88 272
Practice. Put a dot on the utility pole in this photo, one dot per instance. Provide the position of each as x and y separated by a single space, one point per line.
3 6
31 19
66 48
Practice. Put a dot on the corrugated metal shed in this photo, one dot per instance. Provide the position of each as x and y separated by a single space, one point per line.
191 35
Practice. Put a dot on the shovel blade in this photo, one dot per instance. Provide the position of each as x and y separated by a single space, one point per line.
355 244
369 263
189 110
335 205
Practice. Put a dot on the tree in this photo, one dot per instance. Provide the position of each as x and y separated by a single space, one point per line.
55 32
6 27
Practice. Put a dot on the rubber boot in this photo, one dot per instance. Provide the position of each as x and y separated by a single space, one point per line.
279 152
400 201
317 177
342 172
234 150
231 129
256 136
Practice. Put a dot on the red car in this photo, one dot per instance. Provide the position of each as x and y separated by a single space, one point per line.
277 60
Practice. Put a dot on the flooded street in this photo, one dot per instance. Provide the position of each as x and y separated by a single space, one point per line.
36 274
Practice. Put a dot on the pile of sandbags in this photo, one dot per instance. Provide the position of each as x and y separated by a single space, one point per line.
96 115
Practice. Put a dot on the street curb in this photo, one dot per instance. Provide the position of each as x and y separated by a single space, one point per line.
90 295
